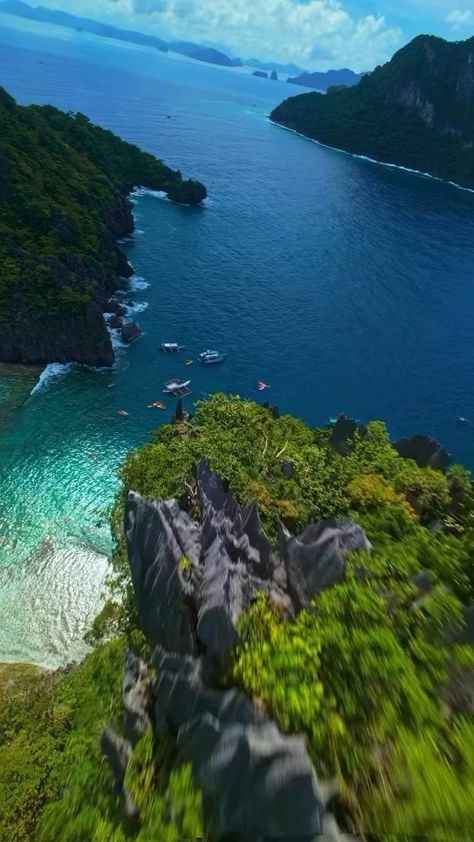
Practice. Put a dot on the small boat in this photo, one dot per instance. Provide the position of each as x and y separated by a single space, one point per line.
261 386
179 388
122 412
170 347
188 362
212 357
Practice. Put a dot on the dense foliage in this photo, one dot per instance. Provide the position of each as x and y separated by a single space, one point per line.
366 673
416 111
63 187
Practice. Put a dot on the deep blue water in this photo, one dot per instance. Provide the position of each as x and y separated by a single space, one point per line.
345 285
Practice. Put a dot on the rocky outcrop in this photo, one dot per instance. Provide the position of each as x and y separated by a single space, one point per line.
317 559
209 573
159 538
425 450
129 332
188 192
274 76
343 434
192 580
60 261
260 74
136 695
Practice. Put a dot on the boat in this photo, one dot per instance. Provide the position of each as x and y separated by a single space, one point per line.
261 385
170 347
212 357
179 388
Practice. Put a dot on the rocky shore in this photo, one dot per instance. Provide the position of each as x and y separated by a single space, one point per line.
60 261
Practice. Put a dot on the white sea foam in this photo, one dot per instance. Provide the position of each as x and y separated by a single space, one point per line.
136 282
144 191
138 307
50 373
373 160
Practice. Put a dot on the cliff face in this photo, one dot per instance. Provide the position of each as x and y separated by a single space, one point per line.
416 111
63 205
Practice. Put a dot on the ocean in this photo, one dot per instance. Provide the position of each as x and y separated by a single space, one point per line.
346 285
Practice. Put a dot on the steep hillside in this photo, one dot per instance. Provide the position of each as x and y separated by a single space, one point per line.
416 111
63 192
353 634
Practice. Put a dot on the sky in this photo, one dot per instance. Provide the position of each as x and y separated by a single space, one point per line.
315 34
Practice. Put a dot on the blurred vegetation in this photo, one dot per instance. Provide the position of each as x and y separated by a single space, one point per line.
363 673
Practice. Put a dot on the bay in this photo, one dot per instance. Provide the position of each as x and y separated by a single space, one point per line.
345 285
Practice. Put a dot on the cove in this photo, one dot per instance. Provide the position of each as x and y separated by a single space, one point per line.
345 285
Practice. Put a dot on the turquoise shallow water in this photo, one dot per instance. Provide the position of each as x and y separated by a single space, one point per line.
345 285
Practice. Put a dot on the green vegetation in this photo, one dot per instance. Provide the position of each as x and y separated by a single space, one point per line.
364 672
416 111
63 188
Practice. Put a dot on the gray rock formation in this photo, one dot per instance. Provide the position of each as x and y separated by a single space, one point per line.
237 561
425 451
159 536
136 698
343 432
192 582
228 559
317 559
118 752
180 694
255 782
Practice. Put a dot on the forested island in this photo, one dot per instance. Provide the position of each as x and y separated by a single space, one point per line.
357 634
64 186
416 111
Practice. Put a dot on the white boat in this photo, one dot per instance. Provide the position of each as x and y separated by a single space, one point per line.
212 357
170 347
179 388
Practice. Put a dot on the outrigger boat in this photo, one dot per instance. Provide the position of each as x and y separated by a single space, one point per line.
212 357
170 347
178 388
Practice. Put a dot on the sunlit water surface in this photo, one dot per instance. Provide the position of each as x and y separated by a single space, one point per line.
345 285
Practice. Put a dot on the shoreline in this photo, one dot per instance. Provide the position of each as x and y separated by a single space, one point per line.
360 157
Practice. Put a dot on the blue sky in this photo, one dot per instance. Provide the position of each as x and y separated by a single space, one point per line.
316 34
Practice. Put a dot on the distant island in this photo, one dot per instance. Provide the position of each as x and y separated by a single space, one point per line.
416 111
208 54
59 18
81 24
328 79
64 185
262 74
274 65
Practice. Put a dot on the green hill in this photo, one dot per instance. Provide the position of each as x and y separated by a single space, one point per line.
416 111
63 204
371 671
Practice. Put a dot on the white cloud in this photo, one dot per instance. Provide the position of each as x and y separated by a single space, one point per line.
459 18
286 30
